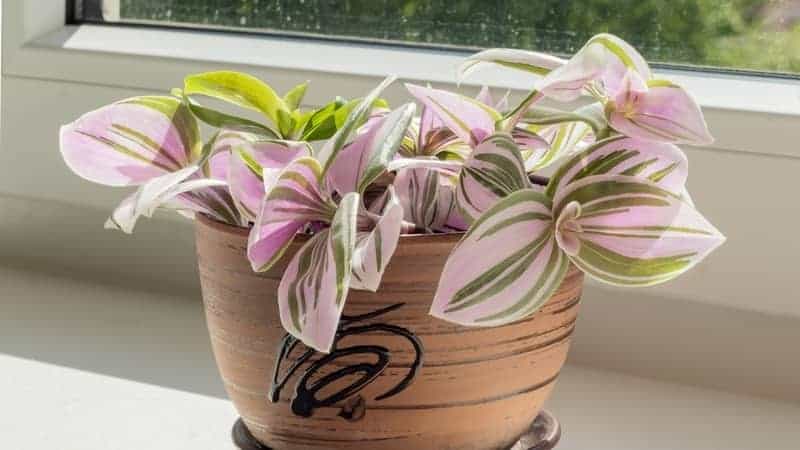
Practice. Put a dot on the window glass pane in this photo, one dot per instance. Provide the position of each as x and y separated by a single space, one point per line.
761 35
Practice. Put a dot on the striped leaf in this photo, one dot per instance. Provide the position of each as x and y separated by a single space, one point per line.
362 161
494 170
240 89
532 62
156 192
664 164
600 65
444 165
355 118
428 199
314 286
375 245
629 231
254 162
132 141
469 119
214 201
561 140
295 198
505 267
658 110
485 96
432 136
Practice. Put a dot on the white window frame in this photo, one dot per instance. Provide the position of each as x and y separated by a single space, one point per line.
755 121
741 110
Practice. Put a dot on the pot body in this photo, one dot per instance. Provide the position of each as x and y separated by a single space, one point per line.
476 388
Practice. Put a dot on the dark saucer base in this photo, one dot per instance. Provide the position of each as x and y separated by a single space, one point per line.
544 434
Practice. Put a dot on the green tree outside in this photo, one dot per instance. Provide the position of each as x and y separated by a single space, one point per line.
759 35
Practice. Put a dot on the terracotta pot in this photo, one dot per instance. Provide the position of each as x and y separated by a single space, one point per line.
477 388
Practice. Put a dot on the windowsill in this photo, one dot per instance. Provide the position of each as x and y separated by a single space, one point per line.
135 57
713 90
87 366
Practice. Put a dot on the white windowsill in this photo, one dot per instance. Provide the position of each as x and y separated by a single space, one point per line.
155 59
85 366
713 90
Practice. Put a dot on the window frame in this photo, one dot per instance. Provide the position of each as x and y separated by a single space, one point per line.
38 43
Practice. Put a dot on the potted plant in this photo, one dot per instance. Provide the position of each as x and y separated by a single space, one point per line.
375 279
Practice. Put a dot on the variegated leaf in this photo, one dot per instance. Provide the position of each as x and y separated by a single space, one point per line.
240 89
151 195
131 141
505 267
314 286
375 245
362 161
469 119
214 201
327 154
562 140
251 157
664 164
428 199
295 198
449 166
432 137
532 62
629 231
493 171
659 111
605 59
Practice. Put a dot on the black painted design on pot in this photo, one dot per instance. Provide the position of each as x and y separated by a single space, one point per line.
306 399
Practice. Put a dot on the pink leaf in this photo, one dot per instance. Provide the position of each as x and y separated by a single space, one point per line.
663 112
131 141
494 170
469 119
505 267
428 198
626 230
665 164
153 194
604 59
295 199
251 157
375 246
362 161
314 286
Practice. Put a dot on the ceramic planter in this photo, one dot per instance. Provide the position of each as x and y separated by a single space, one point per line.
398 379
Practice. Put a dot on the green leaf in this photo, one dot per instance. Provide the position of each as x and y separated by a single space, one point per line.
286 124
237 88
294 97
220 119
322 123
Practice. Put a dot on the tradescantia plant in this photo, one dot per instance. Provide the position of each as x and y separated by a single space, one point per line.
352 176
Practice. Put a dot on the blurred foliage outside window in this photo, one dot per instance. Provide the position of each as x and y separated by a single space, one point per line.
760 35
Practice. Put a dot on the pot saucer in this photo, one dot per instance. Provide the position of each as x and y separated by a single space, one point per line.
544 434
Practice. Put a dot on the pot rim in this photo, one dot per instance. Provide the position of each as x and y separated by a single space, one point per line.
416 238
